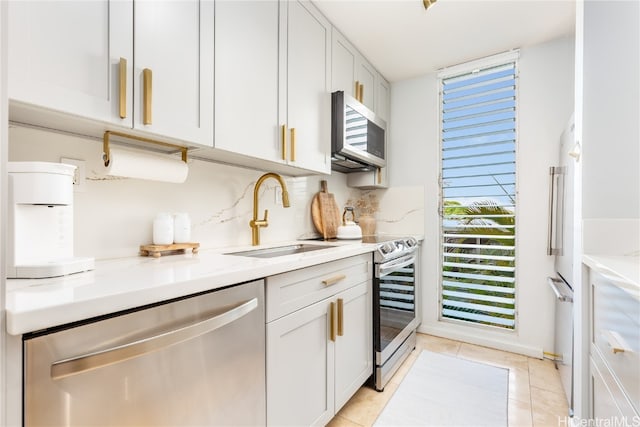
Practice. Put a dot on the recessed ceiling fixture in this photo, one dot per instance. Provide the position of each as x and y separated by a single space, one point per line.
428 3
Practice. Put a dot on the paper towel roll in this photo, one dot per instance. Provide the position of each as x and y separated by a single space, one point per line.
135 164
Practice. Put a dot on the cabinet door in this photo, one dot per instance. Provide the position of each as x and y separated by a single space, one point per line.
174 40
246 78
307 83
366 75
343 64
383 99
65 56
603 402
300 366
354 348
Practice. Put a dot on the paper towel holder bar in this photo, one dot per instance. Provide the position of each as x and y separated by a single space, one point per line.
108 133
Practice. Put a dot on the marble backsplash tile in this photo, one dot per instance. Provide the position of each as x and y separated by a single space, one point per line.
113 217
400 210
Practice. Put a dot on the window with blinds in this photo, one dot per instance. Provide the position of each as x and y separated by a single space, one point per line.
478 190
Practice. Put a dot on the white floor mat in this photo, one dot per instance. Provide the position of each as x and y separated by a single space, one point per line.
441 390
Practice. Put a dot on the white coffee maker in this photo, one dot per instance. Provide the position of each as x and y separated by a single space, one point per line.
40 221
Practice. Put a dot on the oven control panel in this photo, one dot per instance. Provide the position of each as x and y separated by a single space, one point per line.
395 248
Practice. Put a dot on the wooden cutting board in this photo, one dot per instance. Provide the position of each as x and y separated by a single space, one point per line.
325 212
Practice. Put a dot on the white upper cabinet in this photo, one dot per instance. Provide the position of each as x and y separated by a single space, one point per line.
77 58
383 99
272 76
65 56
351 70
343 65
246 78
173 69
306 86
367 80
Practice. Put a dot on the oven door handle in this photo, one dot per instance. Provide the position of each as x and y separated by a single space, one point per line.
389 267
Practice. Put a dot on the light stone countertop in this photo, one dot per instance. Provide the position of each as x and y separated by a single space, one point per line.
125 283
623 271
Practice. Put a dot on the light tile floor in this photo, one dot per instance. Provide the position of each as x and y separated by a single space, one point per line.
536 397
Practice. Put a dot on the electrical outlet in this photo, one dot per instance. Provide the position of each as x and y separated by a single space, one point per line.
79 176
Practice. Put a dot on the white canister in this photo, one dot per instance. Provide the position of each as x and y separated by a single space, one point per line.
181 228
163 229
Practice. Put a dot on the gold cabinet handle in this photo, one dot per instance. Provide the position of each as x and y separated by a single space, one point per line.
333 280
283 136
340 317
147 85
293 144
359 95
123 88
332 323
379 174
616 342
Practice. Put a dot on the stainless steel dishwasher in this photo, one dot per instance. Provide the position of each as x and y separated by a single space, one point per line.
196 361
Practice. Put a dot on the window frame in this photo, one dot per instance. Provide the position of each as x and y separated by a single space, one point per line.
449 72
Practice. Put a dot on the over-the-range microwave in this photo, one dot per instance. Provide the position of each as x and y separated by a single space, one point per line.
358 136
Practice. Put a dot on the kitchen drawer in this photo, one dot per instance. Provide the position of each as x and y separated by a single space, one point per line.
296 289
616 334
607 399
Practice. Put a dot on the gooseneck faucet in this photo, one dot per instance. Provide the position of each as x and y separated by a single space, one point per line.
256 223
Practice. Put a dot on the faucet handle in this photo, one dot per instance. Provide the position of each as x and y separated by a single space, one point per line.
266 215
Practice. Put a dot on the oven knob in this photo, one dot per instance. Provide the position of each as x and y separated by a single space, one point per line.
389 247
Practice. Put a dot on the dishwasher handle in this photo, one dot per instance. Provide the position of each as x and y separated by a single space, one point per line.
553 284
86 362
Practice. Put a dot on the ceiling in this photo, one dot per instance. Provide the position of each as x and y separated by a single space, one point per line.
403 40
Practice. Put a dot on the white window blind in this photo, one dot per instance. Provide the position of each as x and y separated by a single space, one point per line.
478 190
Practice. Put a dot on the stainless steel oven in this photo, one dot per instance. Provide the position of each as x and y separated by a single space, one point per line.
395 314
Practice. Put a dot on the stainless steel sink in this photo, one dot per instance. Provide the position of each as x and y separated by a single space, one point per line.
281 250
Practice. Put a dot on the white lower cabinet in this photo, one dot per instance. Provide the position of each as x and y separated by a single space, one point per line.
318 355
614 388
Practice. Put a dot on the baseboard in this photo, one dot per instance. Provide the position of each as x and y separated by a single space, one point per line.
505 343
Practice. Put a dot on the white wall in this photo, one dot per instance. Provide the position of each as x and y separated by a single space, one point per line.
610 130
114 217
544 106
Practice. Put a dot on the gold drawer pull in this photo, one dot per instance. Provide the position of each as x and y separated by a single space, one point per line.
616 342
293 144
332 322
147 84
340 317
123 88
333 280
283 137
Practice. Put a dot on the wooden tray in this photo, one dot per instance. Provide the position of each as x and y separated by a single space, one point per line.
157 251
